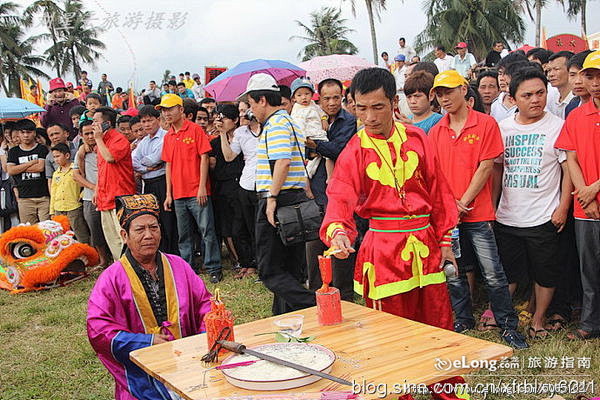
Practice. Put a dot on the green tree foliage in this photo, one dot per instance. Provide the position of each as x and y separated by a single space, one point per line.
478 22
77 41
326 34
18 58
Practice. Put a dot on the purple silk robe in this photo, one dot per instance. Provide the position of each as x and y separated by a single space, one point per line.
115 327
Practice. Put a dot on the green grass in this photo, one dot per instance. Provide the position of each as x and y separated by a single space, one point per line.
44 349
45 354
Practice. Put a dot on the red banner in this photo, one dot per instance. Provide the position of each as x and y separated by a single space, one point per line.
211 73
566 42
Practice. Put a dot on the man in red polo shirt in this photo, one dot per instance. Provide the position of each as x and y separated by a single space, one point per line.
580 137
185 152
467 142
115 174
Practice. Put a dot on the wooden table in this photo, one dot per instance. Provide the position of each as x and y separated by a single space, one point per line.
370 345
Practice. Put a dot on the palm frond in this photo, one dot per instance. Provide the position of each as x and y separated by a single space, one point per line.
326 34
18 58
478 22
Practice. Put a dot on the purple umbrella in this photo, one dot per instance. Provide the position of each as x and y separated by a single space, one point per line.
231 83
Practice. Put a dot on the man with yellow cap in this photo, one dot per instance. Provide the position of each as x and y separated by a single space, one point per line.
185 152
467 142
580 137
145 298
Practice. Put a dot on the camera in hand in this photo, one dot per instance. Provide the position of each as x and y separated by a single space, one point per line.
249 115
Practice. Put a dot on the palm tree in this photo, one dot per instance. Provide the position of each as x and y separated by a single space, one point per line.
18 60
77 41
8 16
326 35
166 76
575 7
16 54
539 4
374 8
480 23
52 14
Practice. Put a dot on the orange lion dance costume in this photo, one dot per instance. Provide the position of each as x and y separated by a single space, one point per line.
43 256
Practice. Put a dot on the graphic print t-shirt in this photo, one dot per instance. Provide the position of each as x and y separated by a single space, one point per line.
532 172
30 184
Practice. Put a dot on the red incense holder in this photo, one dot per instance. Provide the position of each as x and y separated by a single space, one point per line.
329 303
216 319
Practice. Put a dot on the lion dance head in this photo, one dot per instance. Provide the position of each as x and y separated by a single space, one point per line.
42 256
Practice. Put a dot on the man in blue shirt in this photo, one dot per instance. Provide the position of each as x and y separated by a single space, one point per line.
147 162
184 92
342 126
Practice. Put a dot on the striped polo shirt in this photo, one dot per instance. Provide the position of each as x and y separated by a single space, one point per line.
278 142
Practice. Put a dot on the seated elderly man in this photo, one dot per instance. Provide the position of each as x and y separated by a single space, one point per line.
145 298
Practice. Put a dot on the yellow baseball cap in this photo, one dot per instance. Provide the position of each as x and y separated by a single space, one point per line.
169 100
449 79
592 61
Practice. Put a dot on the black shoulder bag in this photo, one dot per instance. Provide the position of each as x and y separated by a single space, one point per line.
297 223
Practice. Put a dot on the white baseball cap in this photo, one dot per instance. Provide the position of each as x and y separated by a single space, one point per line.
260 82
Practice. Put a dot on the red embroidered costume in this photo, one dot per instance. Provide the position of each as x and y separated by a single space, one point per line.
397 184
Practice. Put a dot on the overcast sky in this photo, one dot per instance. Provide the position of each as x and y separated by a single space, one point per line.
226 32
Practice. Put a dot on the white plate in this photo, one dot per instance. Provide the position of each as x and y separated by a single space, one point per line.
264 375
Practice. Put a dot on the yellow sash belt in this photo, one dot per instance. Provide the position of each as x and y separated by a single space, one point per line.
170 327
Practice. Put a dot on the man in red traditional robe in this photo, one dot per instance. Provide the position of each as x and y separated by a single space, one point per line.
389 174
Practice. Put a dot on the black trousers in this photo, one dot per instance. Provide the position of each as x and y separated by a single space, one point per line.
568 294
226 208
530 254
343 270
153 102
247 240
230 222
168 221
280 267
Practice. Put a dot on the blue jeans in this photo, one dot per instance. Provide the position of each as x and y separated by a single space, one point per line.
188 212
480 236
